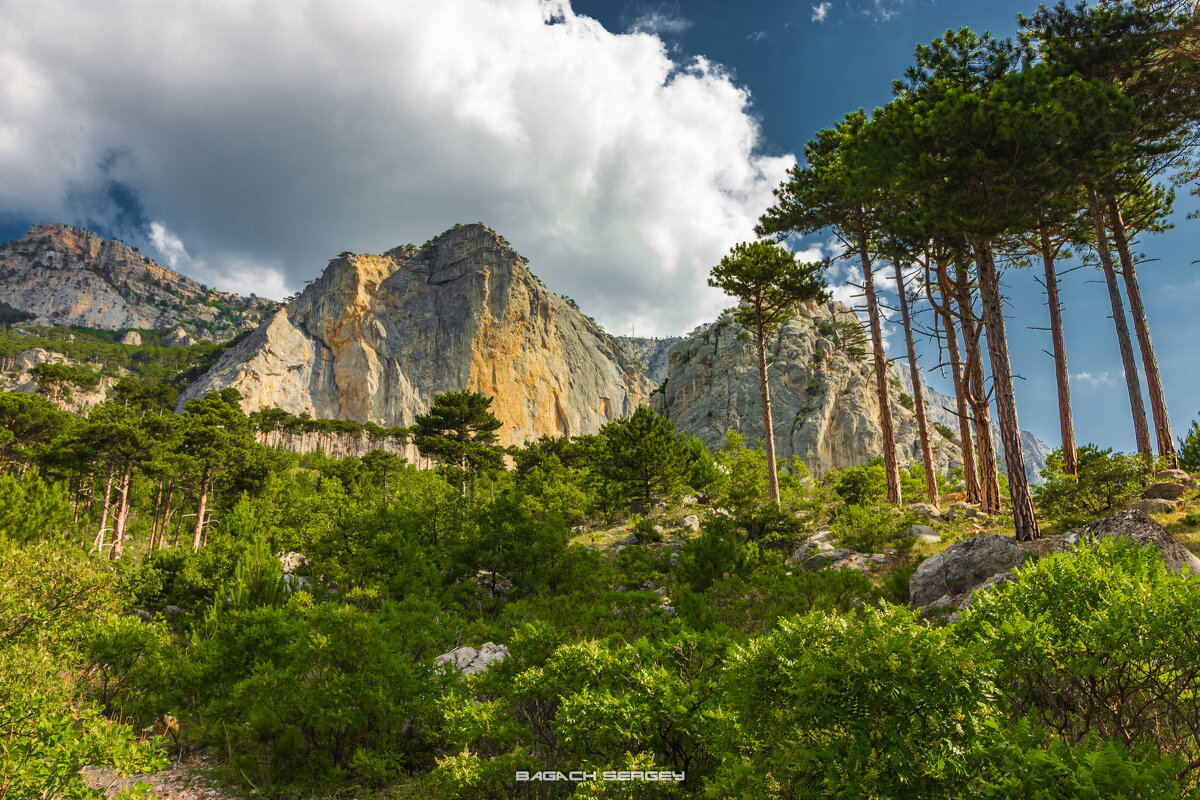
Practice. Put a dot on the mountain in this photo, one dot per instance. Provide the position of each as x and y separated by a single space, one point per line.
823 396
650 352
65 275
377 336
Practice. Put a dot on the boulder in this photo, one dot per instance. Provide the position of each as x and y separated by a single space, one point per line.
691 522
630 539
179 337
1135 526
1153 506
963 566
840 558
131 338
1175 475
470 661
926 510
923 532
291 561
1165 491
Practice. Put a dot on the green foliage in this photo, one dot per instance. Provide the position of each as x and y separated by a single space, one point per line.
945 430
1189 449
1095 642
718 551
460 431
1106 482
861 485
870 704
644 456
32 510
871 529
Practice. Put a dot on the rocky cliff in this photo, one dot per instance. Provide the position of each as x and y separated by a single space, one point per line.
823 394
66 275
650 353
377 336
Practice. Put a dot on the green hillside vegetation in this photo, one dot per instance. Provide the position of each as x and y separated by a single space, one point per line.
702 652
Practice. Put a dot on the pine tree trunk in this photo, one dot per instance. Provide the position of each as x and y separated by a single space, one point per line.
158 496
918 394
1024 520
973 382
166 520
891 467
121 518
764 390
98 544
970 469
1132 382
1067 428
201 505
1158 400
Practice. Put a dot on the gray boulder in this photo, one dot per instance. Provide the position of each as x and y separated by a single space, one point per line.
923 533
962 567
691 522
131 338
840 558
926 510
470 661
1176 475
1136 526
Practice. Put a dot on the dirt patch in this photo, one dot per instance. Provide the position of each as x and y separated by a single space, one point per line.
186 780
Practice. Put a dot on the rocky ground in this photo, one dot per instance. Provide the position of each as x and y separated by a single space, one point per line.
189 778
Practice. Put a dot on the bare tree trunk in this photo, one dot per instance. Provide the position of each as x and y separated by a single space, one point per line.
918 394
98 543
166 519
158 496
121 517
1132 382
764 390
973 382
970 473
1158 400
1067 428
891 467
201 504
1024 520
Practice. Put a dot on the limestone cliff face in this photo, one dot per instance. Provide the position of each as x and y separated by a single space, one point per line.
377 336
823 400
650 353
71 276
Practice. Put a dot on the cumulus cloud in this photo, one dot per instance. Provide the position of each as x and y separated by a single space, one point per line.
821 11
269 137
660 23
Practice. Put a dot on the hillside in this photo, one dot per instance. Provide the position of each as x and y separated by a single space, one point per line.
64 275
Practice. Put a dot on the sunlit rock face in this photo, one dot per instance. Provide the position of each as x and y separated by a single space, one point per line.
377 336
65 275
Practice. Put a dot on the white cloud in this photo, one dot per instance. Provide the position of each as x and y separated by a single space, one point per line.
282 134
821 11
236 274
757 36
1103 379
659 23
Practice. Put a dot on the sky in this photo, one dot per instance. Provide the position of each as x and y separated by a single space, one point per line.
622 146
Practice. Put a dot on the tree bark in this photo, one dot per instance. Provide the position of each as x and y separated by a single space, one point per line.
891 467
973 382
98 544
970 469
918 394
764 390
1024 520
1132 382
121 518
201 504
1062 377
1158 400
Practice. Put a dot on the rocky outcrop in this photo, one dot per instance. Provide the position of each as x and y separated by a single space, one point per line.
823 395
71 276
650 353
377 336
15 376
945 583
470 661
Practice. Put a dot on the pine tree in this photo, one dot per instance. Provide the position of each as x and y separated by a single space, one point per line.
460 431
769 283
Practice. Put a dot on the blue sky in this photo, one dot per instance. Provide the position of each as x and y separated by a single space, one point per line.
622 147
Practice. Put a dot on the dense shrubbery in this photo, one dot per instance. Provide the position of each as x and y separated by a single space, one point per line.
1105 483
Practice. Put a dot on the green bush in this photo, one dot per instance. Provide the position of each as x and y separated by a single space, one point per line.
719 550
1189 449
1098 642
861 485
870 530
1106 482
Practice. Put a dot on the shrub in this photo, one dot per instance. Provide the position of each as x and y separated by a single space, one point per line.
1099 642
1189 449
1105 483
718 551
